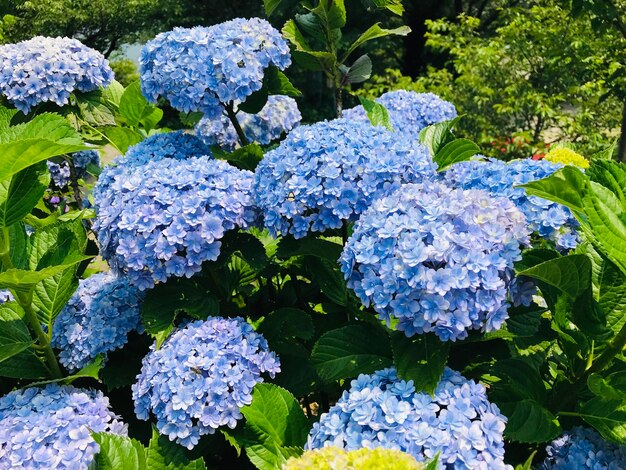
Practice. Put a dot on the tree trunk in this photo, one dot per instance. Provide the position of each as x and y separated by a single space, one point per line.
621 149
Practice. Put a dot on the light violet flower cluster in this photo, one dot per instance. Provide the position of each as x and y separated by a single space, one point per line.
548 219
50 428
201 69
409 112
436 259
583 448
97 319
279 116
201 377
60 172
330 172
46 69
380 410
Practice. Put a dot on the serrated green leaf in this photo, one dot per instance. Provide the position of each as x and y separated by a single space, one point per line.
612 387
565 186
611 175
327 275
376 113
375 32
287 323
119 453
436 136
571 274
112 94
94 108
21 193
529 422
331 13
458 150
52 244
303 54
134 107
607 416
351 350
6 115
163 454
325 249
421 359
122 137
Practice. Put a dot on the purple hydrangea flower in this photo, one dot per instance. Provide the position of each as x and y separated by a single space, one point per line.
409 112
279 115
550 220
582 448
436 259
166 217
380 410
50 427
97 319
330 172
200 69
60 172
49 69
201 377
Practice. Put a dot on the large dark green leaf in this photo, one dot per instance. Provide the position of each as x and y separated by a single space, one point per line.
163 454
287 323
136 109
289 246
94 108
351 350
607 416
21 193
327 275
529 422
421 359
571 274
375 32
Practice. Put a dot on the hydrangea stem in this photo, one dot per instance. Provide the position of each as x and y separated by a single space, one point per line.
230 112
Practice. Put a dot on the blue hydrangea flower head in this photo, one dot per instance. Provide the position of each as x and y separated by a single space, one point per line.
548 219
279 115
97 319
583 448
201 377
200 68
60 172
49 69
167 217
409 112
436 259
380 410
50 427
6 296
331 171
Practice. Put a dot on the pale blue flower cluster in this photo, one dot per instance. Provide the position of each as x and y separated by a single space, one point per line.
166 217
201 69
583 448
50 428
550 220
279 115
436 259
380 410
409 112
201 377
330 172
97 319
49 69
6 296
60 172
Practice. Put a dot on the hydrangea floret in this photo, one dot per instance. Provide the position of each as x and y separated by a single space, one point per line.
97 319
201 377
45 69
548 219
583 448
380 410
436 259
167 217
204 68
60 172
334 458
330 172
50 427
409 112
567 156
279 116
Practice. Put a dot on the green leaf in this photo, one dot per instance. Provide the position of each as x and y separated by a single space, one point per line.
458 150
303 54
528 464
163 454
327 275
277 83
331 13
324 249
113 93
6 115
122 137
607 416
287 323
611 175
394 6
375 32
135 108
14 333
18 241
244 158
529 422
119 453
359 71
433 464
20 193
571 274
436 136
351 350
53 244
255 102
421 359
275 425
606 154
43 137
613 387
93 108
376 113
565 186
